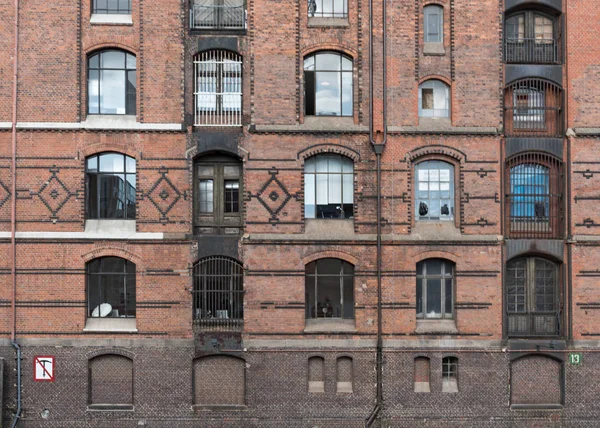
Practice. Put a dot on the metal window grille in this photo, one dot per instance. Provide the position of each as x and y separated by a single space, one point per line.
531 38
534 196
532 296
218 15
218 293
533 108
329 289
328 8
218 89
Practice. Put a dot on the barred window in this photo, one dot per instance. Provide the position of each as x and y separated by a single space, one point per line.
434 99
435 286
328 187
112 7
328 8
112 82
110 186
218 293
110 288
218 88
110 382
329 289
433 24
434 190
450 374
328 84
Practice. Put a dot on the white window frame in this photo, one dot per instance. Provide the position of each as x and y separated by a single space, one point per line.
441 99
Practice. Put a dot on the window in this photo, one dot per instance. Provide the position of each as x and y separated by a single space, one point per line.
328 84
218 88
316 374
344 375
435 285
532 297
219 380
328 8
120 7
433 24
434 191
110 382
529 107
110 186
450 374
422 370
110 288
218 14
329 289
218 292
111 83
328 187
534 198
218 204
532 37
434 99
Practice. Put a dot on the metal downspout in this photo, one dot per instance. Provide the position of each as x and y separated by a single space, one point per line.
568 178
378 149
13 214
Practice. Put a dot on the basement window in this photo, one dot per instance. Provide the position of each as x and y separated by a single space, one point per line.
450 374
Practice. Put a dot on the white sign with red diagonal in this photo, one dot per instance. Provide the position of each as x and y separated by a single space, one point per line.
43 368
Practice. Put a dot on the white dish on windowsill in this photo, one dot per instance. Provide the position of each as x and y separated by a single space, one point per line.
102 310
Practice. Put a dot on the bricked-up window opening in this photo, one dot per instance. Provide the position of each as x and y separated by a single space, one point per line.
218 88
218 293
344 375
450 374
434 191
110 383
534 196
532 297
536 380
328 84
219 380
328 8
110 186
218 14
532 37
119 7
217 190
533 108
328 187
421 372
433 23
110 288
112 83
329 289
435 289
316 374
434 99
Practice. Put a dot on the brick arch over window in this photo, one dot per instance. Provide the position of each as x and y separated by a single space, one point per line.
445 153
100 46
110 381
110 251
535 380
315 48
436 255
330 255
328 148
123 146
219 380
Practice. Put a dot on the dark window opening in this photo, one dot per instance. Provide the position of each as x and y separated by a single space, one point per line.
111 288
329 289
532 37
435 286
112 83
450 374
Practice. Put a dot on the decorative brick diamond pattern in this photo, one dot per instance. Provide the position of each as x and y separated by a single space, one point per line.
111 380
4 194
54 194
219 381
163 194
273 195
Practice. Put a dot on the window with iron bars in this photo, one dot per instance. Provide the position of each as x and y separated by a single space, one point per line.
218 293
218 15
534 200
532 37
533 108
218 89
532 297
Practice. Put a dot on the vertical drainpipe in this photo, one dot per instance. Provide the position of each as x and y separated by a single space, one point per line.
565 43
13 214
378 148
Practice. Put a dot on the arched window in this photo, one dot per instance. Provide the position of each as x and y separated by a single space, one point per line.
534 196
434 99
110 382
218 292
110 186
435 289
434 191
328 84
218 88
219 380
433 23
344 375
111 82
531 37
329 289
421 374
217 195
449 374
328 187
532 296
110 288
316 374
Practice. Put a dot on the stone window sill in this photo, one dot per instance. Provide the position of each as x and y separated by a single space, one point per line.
536 406
330 325
113 325
344 387
218 407
328 22
110 19
449 386
106 228
436 327
422 387
110 407
434 49
316 387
